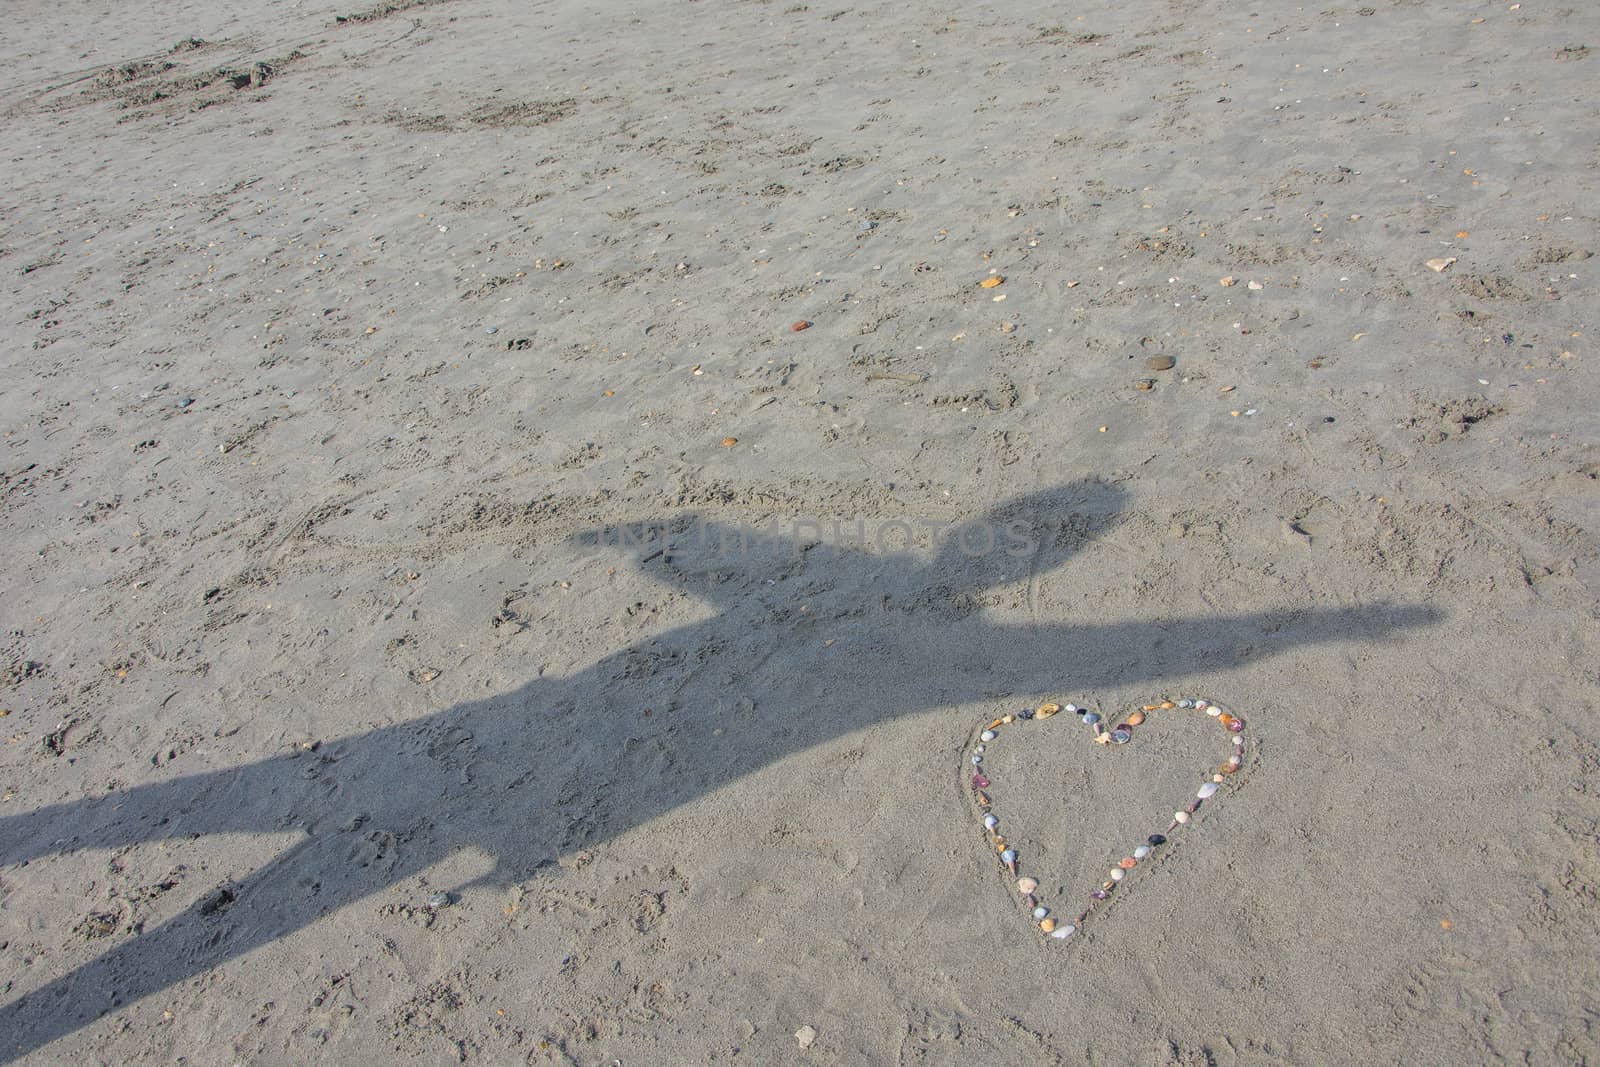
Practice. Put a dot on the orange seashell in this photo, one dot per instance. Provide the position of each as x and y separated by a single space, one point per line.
991 281
997 724
999 843
1127 863
983 799
1136 718
729 442
801 325
1167 705
1225 718
1151 707
1047 710
1047 925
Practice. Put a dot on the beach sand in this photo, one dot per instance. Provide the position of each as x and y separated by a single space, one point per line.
452 615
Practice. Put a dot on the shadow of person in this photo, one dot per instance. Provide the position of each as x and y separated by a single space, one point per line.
811 640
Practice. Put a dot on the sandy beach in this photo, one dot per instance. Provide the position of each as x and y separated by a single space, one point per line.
515 516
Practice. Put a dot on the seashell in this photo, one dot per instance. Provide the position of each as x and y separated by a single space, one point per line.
1025 714
1047 925
1227 768
983 798
1207 790
1121 736
1237 726
1100 894
1186 703
999 842
996 724
1007 720
980 781
1239 742
1194 805
987 735
979 750
1029 902
802 324
976 759
1127 863
1136 719
1118 874
1167 705
1225 719
1090 718
1235 759
1009 858
1061 933
1040 912
1026 885
1047 710
1156 839
1141 852
990 822
991 281
1213 711
1180 817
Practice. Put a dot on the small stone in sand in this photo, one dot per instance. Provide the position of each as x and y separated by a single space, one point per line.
1160 362
806 1036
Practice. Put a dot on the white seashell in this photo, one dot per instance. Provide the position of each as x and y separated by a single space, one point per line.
1213 711
987 735
1061 933
1041 912
990 822
1141 852
1206 791
1026 885
1118 874
1180 817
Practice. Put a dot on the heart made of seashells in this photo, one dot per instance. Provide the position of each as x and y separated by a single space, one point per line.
1120 734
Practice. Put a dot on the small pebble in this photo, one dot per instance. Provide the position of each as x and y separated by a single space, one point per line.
491 330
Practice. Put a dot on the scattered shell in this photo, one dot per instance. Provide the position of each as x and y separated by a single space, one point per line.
990 822
1046 710
1136 719
1127 863
802 324
1180 817
806 1036
1009 858
1160 362
729 442
1061 933
987 735
1141 852
1225 281
1120 736
1213 711
1047 925
1237 726
1255 286
1118 874
1040 912
1439 265
1144 385
439 900
991 281
1207 791
1090 718
1026 885
1156 839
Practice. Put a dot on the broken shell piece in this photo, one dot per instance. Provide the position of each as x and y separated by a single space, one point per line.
1046 710
1026 885
1438 266
991 281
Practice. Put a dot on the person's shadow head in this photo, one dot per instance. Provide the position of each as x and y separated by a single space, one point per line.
902 550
